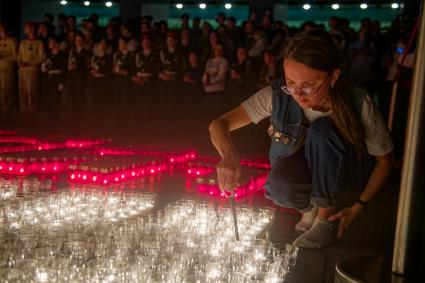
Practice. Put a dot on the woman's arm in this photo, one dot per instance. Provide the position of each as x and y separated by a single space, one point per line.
380 172
382 169
228 170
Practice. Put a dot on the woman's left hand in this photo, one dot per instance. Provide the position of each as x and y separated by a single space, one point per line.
346 216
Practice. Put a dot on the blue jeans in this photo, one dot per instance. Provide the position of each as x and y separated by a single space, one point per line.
321 172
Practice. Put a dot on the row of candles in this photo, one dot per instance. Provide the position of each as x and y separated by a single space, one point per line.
113 170
94 236
84 162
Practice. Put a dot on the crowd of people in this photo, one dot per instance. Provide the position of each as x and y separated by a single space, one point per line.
87 68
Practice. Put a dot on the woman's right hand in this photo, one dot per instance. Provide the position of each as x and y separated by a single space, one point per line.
228 174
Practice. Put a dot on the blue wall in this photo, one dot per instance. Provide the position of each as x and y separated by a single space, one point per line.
293 15
34 10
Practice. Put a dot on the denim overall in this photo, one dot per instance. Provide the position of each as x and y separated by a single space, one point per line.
311 164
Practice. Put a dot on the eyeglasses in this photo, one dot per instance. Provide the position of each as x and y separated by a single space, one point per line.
304 91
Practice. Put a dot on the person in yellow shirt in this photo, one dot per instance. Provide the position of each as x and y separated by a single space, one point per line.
8 55
30 57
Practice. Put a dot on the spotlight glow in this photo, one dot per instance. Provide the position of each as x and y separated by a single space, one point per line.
179 6
395 5
202 6
306 6
335 6
228 6
108 4
86 3
363 6
63 2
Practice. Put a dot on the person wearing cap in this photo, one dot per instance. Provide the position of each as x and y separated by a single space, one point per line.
53 75
30 57
8 56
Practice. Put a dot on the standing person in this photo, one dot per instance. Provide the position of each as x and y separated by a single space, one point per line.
242 74
362 57
196 31
269 69
53 70
186 45
122 69
193 73
75 86
214 79
30 57
171 69
192 79
324 134
8 56
144 79
259 45
98 92
43 34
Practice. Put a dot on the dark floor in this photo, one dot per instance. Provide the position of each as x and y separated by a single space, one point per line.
187 126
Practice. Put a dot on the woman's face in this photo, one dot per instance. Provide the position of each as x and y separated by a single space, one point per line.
71 36
300 76
213 38
193 58
102 45
52 43
241 54
42 30
122 45
146 44
79 41
218 51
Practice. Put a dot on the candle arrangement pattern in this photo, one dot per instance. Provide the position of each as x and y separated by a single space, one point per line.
94 236
56 237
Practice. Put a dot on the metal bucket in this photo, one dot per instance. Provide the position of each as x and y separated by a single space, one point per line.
362 270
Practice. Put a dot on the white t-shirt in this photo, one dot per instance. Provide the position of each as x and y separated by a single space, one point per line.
377 136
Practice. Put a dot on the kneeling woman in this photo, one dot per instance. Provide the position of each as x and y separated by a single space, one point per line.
324 135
